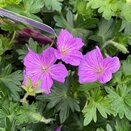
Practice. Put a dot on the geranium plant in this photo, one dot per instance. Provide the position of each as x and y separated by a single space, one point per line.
65 65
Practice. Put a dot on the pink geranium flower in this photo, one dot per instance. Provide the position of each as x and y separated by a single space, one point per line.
94 67
68 48
42 67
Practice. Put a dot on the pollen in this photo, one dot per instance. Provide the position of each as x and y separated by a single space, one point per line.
64 51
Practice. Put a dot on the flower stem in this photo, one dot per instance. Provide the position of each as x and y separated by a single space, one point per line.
13 37
23 100
52 44
108 42
53 41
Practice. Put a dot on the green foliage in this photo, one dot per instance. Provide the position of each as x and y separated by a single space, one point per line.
77 25
27 8
33 6
33 45
88 86
126 66
54 4
5 44
110 38
1 48
120 100
10 26
4 3
96 102
32 89
82 9
10 81
127 27
74 106
108 29
110 8
61 100
26 114
106 7
108 128
14 1
125 11
122 125
17 114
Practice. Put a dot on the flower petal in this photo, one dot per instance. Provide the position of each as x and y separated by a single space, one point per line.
94 58
76 44
112 64
34 74
45 78
67 41
74 58
48 56
25 78
46 83
105 77
58 54
63 37
86 72
32 60
58 72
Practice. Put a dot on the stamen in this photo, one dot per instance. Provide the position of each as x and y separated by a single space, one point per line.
64 51
45 69
99 70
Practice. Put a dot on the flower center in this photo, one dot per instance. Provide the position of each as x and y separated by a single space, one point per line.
64 51
99 71
45 69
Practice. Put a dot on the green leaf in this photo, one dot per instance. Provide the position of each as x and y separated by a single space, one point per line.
126 11
82 9
126 26
61 100
109 128
62 22
88 86
2 3
119 46
15 114
126 66
119 99
89 113
96 101
54 4
24 114
122 125
117 77
33 6
14 1
110 8
76 25
11 81
100 129
104 7
32 88
108 29
4 44
1 48
33 45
